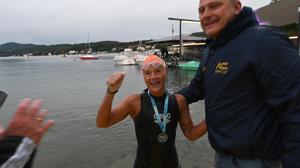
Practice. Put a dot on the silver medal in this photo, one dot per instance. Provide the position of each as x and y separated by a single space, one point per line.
162 137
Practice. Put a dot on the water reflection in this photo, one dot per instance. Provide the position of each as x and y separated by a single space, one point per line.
178 78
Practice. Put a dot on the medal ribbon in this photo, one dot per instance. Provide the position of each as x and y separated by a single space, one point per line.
162 125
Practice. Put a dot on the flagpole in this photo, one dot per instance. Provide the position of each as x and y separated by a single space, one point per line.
172 30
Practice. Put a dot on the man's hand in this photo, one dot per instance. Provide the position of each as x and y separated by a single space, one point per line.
28 121
115 81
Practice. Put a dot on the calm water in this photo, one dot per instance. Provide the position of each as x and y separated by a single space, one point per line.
72 90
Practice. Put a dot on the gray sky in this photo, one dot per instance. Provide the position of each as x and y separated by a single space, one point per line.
70 21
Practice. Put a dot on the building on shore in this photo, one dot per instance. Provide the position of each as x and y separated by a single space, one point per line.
283 14
193 45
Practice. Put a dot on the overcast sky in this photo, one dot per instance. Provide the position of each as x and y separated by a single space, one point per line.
70 21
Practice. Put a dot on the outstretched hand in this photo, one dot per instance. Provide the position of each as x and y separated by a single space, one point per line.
115 81
28 121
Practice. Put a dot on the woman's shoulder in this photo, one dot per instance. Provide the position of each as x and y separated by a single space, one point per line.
134 100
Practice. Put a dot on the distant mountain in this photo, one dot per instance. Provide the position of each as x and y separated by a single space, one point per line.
200 34
13 48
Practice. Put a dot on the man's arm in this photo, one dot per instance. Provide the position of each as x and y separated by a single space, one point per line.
190 131
28 121
23 155
277 68
194 91
107 115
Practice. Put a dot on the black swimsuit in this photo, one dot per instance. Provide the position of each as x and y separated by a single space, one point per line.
151 153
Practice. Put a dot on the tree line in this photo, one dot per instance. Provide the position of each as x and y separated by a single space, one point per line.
17 49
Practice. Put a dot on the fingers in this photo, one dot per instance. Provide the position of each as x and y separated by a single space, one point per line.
28 121
48 124
21 109
42 130
115 80
34 108
28 109
41 126
116 77
39 117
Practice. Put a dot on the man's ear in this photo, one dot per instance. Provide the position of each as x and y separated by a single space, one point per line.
237 7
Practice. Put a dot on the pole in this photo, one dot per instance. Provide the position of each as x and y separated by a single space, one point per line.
180 33
180 38
172 30
299 29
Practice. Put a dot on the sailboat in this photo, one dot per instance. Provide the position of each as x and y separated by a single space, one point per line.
88 55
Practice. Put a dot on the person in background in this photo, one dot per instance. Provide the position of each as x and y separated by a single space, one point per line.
155 113
25 130
249 78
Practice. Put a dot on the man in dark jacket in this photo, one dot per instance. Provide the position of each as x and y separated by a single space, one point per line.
24 132
250 79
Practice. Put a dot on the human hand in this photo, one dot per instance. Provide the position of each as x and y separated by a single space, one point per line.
115 81
28 121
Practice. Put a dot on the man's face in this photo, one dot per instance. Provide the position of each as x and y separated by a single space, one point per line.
155 78
215 14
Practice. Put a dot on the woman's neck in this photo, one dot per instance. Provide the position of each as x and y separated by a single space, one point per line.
158 95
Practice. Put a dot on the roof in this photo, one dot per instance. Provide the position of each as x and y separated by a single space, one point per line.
185 38
279 13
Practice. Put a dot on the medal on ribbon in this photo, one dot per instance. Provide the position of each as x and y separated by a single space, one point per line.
161 137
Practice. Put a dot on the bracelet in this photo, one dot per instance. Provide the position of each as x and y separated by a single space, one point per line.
110 92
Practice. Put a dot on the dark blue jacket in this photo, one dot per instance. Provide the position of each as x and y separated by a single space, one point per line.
250 80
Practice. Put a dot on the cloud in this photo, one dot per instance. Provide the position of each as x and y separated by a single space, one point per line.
69 21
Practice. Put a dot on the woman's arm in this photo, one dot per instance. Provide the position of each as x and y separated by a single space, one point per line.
191 131
107 115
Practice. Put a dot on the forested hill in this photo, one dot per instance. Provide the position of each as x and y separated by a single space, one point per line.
12 48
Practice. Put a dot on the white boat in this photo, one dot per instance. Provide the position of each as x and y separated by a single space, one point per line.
25 56
124 60
139 59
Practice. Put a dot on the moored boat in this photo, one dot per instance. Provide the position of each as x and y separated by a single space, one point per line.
139 58
124 60
89 57
191 65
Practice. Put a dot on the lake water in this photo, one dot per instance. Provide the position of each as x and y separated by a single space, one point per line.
72 90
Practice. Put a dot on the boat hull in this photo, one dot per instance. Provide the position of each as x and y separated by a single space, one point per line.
124 60
89 58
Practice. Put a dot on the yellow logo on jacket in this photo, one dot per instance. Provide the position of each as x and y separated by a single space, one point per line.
222 68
